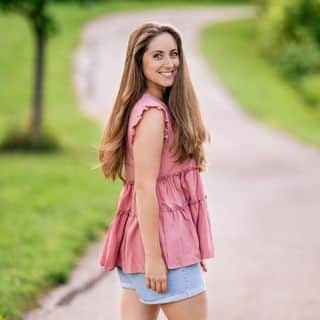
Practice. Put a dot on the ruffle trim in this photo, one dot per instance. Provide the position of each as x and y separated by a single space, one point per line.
168 176
178 208
192 221
140 115
185 227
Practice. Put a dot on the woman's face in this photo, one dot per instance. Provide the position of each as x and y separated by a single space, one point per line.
160 62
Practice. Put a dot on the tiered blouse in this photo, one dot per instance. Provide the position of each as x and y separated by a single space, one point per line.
184 224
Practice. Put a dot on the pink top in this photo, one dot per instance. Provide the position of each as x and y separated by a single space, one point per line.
184 223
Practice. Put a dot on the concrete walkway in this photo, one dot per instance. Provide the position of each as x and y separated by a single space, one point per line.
263 192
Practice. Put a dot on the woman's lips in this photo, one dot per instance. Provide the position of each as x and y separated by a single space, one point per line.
167 74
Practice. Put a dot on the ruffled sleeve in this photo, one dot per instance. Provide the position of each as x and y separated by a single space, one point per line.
138 114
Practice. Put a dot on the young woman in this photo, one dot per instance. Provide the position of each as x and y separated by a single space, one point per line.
153 142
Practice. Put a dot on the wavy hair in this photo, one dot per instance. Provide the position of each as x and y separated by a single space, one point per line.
186 119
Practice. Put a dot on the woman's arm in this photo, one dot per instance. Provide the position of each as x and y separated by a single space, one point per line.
147 150
148 218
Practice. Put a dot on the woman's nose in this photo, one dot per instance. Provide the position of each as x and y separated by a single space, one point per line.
168 62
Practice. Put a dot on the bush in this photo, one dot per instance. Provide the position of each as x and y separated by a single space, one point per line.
296 60
310 89
290 34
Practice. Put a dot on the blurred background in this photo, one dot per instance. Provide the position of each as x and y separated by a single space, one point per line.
52 204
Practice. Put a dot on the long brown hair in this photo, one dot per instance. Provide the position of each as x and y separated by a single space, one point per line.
185 115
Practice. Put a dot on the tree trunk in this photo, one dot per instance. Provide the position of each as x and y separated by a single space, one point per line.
35 127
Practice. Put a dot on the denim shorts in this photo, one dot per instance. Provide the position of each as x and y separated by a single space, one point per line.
182 283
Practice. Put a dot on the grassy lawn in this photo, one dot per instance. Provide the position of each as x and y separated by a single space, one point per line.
51 205
231 51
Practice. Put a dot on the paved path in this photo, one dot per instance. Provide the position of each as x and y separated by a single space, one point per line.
263 191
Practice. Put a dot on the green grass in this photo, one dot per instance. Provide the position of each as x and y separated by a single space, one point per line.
232 53
51 205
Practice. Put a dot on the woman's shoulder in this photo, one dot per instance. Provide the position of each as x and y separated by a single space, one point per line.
146 102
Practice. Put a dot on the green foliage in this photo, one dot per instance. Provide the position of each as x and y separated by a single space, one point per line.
37 12
301 20
298 59
34 10
289 35
290 30
310 88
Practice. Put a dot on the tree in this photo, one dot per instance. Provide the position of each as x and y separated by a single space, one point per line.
43 26
35 11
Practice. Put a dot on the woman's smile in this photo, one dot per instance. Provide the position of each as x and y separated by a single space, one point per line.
167 74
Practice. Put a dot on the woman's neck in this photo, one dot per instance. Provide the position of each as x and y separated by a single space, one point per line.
155 93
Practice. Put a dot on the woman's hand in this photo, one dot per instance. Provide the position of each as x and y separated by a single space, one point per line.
156 274
203 265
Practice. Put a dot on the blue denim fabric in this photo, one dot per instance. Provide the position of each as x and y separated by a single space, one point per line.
182 283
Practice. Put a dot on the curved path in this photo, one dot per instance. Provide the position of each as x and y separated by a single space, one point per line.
263 191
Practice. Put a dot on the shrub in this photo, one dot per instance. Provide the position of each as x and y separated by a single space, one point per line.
310 89
296 60
290 30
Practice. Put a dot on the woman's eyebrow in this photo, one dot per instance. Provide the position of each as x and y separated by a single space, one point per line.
163 51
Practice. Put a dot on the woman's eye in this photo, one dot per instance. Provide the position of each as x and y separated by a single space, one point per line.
158 55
